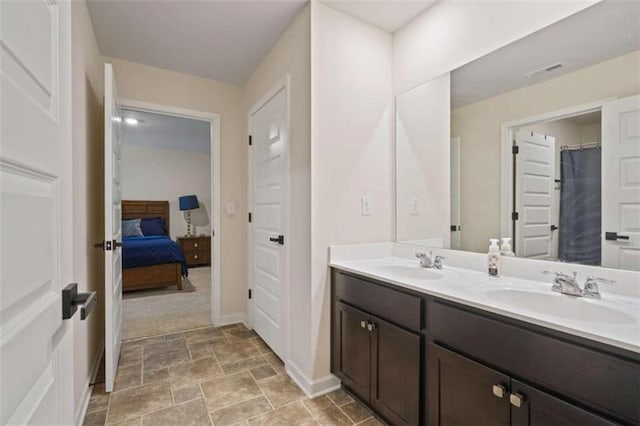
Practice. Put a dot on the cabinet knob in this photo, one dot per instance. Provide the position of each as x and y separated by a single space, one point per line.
516 400
195 256
195 244
498 390
363 324
371 326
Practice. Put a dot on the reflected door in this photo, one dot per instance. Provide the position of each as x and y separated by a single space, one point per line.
621 183
535 160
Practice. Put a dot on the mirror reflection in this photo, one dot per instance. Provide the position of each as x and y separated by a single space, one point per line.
538 141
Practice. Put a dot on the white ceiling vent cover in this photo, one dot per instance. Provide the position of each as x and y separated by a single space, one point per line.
544 70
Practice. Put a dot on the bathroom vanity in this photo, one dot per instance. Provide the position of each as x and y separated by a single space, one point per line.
436 347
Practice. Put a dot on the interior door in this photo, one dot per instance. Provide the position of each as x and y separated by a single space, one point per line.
113 231
269 218
621 183
534 183
36 256
456 229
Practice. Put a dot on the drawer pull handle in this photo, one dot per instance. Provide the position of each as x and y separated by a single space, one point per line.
516 400
363 324
498 390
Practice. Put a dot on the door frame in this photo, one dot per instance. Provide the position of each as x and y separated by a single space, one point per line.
215 174
507 136
283 84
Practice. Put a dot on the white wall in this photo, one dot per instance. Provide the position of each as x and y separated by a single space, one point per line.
158 86
88 196
291 55
452 33
351 150
423 163
167 174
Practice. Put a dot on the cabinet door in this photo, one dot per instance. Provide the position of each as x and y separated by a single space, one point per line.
531 407
464 392
395 361
354 361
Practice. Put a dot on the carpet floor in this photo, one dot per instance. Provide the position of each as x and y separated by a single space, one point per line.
167 310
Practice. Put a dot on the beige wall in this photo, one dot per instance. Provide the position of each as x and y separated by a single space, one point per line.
351 151
478 126
149 173
291 55
88 200
158 86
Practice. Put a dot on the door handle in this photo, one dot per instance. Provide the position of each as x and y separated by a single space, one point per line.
613 236
71 299
279 239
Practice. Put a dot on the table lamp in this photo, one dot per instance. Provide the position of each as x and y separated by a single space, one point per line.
188 203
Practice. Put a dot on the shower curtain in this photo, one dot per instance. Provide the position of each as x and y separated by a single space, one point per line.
580 209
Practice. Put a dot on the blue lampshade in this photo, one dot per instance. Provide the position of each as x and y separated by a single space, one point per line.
188 202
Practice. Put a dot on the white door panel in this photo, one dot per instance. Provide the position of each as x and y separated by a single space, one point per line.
621 183
269 194
534 194
35 207
113 228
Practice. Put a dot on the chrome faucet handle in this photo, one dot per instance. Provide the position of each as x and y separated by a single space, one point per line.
421 254
437 261
591 288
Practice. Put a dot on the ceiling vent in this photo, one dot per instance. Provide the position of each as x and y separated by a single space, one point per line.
542 71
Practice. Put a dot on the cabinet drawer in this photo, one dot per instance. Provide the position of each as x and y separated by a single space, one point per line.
604 382
401 308
194 243
196 257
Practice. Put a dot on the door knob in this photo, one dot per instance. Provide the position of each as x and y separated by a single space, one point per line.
279 239
613 236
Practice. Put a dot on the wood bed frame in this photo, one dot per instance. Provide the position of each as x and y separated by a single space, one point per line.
146 277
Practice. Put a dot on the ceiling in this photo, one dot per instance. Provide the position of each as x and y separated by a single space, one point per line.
166 132
390 15
218 39
596 34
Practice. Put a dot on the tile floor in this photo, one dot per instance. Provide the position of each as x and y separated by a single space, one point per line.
220 376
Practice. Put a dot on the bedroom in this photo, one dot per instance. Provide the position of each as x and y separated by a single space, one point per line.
166 208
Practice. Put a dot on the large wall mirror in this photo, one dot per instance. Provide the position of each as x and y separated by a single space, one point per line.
538 141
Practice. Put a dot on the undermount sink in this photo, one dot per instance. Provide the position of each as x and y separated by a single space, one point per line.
415 272
563 306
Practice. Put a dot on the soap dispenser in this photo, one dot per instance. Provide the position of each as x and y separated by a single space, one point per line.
493 265
505 247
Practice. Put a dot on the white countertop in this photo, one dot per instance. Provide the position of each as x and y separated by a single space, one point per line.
613 320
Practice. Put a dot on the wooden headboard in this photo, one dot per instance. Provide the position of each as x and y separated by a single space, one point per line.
134 209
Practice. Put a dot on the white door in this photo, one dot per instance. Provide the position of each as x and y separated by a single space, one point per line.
36 257
535 165
113 231
456 229
621 183
269 216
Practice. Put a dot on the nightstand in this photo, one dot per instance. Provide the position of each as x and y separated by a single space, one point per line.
197 250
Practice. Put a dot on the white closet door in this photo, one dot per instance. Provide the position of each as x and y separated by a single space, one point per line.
36 256
621 183
113 228
535 164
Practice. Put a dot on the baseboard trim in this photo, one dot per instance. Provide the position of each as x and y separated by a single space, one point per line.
232 319
312 388
86 396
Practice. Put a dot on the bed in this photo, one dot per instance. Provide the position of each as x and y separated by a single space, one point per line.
150 261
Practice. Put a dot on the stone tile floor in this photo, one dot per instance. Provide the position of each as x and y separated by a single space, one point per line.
220 376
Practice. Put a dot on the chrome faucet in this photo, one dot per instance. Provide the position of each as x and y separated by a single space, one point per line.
429 261
568 284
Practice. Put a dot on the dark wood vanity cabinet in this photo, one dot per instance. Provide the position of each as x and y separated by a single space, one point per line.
417 359
377 360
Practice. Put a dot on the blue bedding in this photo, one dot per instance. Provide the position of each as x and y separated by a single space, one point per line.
152 250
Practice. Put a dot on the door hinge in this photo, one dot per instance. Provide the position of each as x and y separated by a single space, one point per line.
250 217
250 140
249 293
514 216
515 149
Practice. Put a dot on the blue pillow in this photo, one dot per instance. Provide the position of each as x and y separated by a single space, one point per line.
132 228
153 226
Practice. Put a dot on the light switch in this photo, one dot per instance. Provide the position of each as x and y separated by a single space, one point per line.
414 206
231 208
366 205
